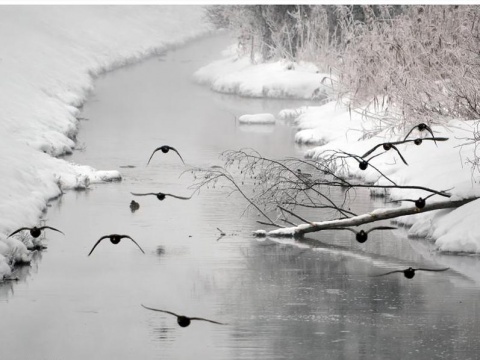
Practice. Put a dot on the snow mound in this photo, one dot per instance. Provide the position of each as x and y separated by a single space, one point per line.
281 79
257 119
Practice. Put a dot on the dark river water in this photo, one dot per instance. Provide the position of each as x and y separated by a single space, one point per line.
285 299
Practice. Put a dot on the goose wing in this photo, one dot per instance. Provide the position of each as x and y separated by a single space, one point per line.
423 269
51 228
372 150
145 194
128 237
413 128
390 272
98 242
399 154
405 200
21 229
154 151
429 129
179 197
164 311
202 319
172 148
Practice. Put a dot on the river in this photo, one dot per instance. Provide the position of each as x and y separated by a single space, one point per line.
285 299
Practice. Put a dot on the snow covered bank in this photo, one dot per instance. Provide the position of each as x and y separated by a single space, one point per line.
49 58
441 167
332 127
283 79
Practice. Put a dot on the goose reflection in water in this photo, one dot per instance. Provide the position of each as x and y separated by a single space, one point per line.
134 206
160 250
183 320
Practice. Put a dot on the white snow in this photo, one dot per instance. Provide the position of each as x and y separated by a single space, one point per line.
283 79
332 126
49 58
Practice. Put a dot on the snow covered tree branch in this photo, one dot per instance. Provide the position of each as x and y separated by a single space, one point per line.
376 215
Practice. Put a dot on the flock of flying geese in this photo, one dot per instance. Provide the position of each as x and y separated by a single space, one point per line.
363 163
35 232
361 236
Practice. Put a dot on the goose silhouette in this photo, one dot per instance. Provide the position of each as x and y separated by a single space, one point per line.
183 320
386 146
165 149
410 272
362 163
161 196
421 127
419 203
362 235
35 231
114 239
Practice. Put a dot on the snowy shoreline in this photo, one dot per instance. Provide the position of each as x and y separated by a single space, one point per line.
49 59
332 126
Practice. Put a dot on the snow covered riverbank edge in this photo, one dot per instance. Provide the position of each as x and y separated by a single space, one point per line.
332 126
49 59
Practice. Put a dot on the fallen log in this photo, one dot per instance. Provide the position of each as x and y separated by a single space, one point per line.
375 215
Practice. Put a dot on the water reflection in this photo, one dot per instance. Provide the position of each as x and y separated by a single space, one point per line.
261 129
6 290
160 250
20 273
316 305
163 333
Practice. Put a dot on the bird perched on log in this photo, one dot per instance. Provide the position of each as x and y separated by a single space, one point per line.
114 239
362 235
182 320
165 149
35 231
410 272
161 196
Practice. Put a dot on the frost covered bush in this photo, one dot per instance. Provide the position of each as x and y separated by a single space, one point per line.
401 65
423 61
291 32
